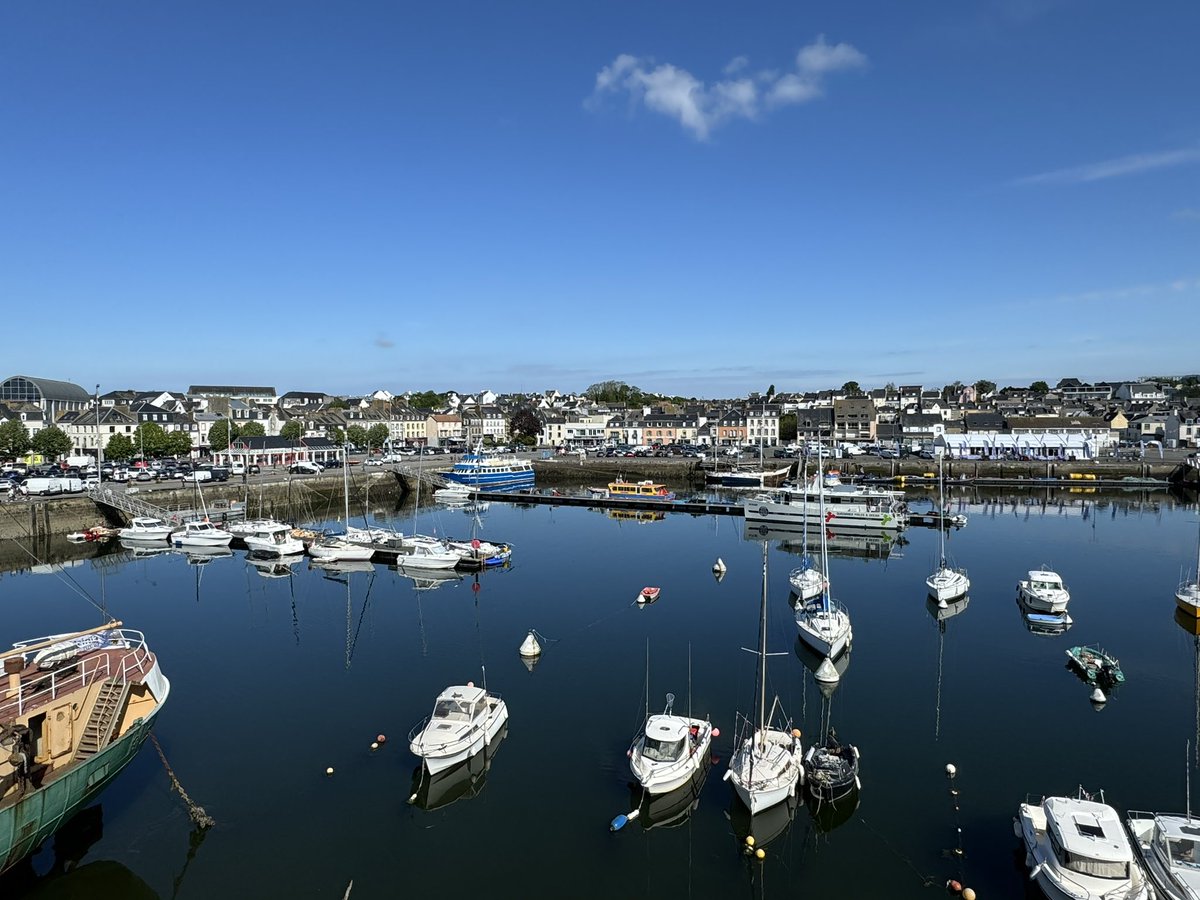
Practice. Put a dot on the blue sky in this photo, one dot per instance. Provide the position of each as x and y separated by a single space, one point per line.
697 198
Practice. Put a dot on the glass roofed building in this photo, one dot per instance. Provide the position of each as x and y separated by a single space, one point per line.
53 397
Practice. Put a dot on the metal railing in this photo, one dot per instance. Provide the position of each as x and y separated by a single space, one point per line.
72 678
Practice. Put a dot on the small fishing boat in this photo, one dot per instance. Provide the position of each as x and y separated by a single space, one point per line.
648 594
669 750
202 534
1044 591
265 537
146 528
831 769
465 719
1076 849
1095 665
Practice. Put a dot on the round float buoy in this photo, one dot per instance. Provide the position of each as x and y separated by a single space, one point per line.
716 732
749 840
329 771
1098 698
968 894
374 745
796 733
470 684
380 739
760 853
953 886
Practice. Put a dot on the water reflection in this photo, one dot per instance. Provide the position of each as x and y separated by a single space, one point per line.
765 827
462 782
671 809
942 612
827 816
1044 623
812 661
279 567
857 543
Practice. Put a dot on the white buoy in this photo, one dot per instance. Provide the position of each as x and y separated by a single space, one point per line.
826 673
530 646
719 566
942 604
1098 697
951 771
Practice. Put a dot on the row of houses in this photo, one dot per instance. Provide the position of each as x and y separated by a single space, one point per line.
1102 415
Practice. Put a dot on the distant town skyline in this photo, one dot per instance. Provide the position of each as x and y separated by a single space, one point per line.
697 201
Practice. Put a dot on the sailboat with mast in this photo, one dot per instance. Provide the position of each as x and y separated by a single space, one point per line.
823 622
767 766
946 583
1188 595
806 579
339 548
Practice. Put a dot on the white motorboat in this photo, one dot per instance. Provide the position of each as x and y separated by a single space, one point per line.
847 506
1188 595
201 534
807 581
946 583
1044 591
767 766
1169 844
271 538
823 622
454 494
424 556
669 750
464 720
146 528
481 553
1076 849
338 549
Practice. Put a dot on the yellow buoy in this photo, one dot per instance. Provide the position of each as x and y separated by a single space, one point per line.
968 894
749 840
760 853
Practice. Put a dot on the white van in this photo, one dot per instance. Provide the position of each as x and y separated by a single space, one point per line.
198 475
70 485
41 486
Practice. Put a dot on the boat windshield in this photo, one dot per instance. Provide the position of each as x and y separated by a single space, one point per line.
452 710
1045 585
1182 852
1086 865
662 751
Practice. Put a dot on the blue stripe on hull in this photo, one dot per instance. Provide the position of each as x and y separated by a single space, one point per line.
492 480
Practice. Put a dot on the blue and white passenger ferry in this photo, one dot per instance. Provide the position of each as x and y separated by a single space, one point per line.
491 472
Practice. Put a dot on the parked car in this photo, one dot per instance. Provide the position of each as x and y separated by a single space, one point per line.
219 473
142 475
304 468
237 469
253 469
888 454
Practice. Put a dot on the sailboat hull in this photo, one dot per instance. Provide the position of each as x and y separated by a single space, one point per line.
826 631
1187 598
766 769
947 584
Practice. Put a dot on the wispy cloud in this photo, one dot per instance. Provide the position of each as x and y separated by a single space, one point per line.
1134 164
700 108
1187 214
384 343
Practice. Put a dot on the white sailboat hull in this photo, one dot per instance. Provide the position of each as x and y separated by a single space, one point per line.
826 631
948 584
807 582
766 769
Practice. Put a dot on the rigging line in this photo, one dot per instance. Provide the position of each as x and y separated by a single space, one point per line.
59 571
926 880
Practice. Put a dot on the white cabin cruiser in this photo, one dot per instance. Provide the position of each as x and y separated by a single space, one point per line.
1170 849
465 719
146 528
1077 850
266 537
1044 591
200 534
669 750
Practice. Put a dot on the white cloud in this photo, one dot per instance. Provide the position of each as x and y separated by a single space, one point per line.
1134 164
701 107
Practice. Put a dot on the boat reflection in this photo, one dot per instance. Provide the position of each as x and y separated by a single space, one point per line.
827 816
765 827
941 612
202 556
429 580
1044 623
639 516
280 567
462 782
671 809
341 566
856 543
812 661
144 549
1191 624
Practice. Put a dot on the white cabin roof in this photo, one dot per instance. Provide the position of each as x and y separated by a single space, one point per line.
666 728
462 693
1044 575
1088 829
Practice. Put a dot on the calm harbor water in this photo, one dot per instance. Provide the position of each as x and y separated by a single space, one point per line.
276 678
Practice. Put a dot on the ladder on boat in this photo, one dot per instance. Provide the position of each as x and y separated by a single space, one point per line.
110 705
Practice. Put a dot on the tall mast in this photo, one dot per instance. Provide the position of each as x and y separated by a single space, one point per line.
941 524
762 659
821 525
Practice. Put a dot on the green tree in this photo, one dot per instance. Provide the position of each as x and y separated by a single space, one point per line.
1039 387
251 429
14 439
356 435
221 435
51 442
851 389
177 443
150 439
427 400
335 434
292 430
770 392
525 423
787 427
338 403
119 447
983 387
378 434
615 392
